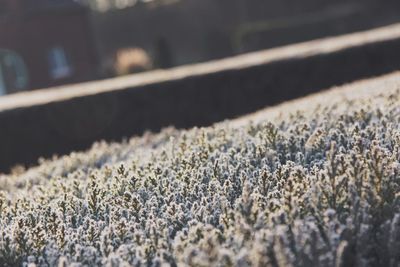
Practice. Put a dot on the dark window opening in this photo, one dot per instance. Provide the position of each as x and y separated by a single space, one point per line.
59 65
13 73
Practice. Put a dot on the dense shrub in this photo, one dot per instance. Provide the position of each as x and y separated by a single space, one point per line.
314 187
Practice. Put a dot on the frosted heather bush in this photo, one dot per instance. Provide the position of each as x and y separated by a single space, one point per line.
310 183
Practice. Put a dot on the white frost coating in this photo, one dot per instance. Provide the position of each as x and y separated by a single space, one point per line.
313 184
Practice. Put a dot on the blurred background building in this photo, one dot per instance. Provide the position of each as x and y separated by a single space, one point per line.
51 42
44 43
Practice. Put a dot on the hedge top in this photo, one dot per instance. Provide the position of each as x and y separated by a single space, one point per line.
314 182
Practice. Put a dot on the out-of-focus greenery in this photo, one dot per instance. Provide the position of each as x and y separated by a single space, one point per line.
316 187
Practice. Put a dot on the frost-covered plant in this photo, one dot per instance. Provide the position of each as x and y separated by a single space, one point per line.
315 187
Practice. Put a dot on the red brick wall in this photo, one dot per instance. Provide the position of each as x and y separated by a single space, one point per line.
32 36
69 31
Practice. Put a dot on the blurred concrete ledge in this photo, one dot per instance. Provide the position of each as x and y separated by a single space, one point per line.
59 120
